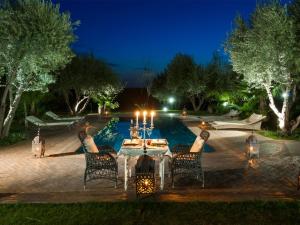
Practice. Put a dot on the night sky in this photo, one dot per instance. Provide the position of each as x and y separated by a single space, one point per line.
133 34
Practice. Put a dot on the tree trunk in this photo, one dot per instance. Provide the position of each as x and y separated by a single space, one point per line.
3 106
85 100
11 113
99 109
283 116
67 100
262 104
25 114
32 108
295 124
196 106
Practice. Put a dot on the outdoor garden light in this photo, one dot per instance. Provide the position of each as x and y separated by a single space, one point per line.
225 104
252 147
171 100
145 178
184 112
285 95
38 145
165 109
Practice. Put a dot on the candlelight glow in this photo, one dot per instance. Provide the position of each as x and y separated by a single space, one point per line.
137 113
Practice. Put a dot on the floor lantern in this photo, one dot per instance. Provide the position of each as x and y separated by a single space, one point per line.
38 145
298 186
252 146
145 176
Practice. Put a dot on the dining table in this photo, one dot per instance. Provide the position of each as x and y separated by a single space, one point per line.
133 148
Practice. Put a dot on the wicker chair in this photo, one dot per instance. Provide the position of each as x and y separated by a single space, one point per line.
102 165
186 163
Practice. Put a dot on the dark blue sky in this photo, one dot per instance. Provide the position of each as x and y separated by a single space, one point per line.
132 34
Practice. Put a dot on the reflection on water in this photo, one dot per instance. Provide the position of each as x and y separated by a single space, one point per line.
171 129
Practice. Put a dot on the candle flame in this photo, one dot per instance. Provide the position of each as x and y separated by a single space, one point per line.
145 113
137 113
152 113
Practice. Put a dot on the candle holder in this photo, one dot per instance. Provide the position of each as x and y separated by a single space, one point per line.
144 128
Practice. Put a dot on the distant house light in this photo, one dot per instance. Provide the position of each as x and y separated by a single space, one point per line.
165 109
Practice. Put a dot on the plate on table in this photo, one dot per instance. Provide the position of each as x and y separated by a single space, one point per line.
159 142
133 142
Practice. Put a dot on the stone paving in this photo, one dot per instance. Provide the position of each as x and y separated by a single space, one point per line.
229 176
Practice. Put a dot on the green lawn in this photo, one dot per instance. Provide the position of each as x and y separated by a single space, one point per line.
276 135
150 213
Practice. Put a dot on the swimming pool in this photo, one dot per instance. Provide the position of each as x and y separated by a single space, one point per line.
171 129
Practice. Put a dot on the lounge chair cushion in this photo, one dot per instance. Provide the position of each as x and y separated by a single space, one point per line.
198 145
90 144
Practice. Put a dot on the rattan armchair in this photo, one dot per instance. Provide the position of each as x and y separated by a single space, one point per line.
102 165
186 163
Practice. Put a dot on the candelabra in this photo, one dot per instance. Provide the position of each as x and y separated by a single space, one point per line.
143 128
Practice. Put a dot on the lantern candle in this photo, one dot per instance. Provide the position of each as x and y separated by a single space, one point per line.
137 118
152 115
145 114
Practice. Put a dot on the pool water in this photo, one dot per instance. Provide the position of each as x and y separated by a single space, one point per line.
171 129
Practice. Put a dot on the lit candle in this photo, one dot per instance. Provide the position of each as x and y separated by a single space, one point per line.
137 113
145 114
251 148
152 115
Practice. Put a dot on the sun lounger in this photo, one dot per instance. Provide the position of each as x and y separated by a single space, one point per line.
56 117
228 116
251 123
40 123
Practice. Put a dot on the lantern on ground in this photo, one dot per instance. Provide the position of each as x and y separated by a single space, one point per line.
298 180
252 147
145 176
38 145
184 112
204 125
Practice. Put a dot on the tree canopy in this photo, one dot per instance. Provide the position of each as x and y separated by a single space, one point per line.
263 50
84 77
35 40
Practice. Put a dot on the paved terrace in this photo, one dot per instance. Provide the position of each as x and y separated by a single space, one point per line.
58 177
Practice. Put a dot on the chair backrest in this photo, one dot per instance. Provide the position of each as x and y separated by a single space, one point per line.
197 145
52 115
254 118
204 135
232 113
35 120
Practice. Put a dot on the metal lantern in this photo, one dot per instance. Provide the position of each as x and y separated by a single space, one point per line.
184 112
204 125
298 187
252 146
38 145
145 176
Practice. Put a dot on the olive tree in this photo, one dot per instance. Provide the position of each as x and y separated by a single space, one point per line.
83 78
263 51
106 96
35 40
184 78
